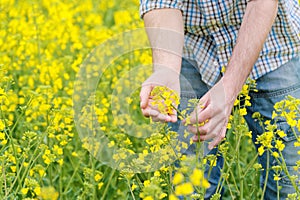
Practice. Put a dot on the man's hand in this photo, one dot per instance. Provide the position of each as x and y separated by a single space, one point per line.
165 32
212 113
162 77
218 102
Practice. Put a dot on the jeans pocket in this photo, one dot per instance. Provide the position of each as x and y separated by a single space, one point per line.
287 129
290 153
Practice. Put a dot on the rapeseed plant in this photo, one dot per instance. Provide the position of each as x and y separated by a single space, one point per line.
43 43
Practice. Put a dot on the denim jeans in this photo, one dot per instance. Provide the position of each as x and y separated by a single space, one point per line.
272 87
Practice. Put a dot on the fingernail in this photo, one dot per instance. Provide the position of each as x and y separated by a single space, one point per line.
168 118
142 104
195 138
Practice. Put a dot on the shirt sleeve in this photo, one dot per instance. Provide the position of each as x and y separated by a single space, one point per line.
148 5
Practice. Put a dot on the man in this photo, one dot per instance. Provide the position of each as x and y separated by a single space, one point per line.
256 38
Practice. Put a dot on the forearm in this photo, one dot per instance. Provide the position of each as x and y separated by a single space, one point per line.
165 32
257 23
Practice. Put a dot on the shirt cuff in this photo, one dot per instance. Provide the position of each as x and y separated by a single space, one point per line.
148 5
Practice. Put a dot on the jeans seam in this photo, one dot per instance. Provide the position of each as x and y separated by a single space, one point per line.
189 96
276 92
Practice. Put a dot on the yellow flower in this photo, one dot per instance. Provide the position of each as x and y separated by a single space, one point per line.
281 134
276 177
178 178
2 136
100 185
162 195
146 183
257 166
261 150
61 161
75 154
58 150
165 99
111 143
148 198
97 177
48 193
275 154
184 189
249 134
41 172
122 17
37 191
279 145
13 168
197 178
223 69
274 114
133 187
243 111
25 164
173 197
24 191
236 102
157 173
4 142
229 125
2 125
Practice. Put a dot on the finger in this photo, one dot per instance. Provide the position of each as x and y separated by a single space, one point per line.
201 113
211 129
148 112
213 125
196 138
195 130
173 118
144 95
205 126
156 115
207 137
161 118
218 139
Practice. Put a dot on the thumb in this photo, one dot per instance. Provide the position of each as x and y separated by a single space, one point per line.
144 95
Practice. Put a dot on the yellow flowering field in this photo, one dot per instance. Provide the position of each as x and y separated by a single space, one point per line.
70 121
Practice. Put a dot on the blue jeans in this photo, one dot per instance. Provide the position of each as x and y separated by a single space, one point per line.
272 87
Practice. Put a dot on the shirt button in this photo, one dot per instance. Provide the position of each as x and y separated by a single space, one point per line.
216 63
221 48
213 22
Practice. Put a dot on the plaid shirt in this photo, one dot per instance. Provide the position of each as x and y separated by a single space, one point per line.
211 30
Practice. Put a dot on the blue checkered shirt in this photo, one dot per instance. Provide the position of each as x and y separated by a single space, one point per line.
211 30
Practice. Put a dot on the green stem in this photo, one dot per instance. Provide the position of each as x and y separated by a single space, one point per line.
229 188
286 171
32 161
73 175
4 178
267 175
108 183
177 110
165 135
277 186
250 165
128 183
93 175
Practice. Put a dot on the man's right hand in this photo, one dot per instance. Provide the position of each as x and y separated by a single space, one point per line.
166 35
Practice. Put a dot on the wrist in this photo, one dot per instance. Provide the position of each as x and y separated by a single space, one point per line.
169 70
232 88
